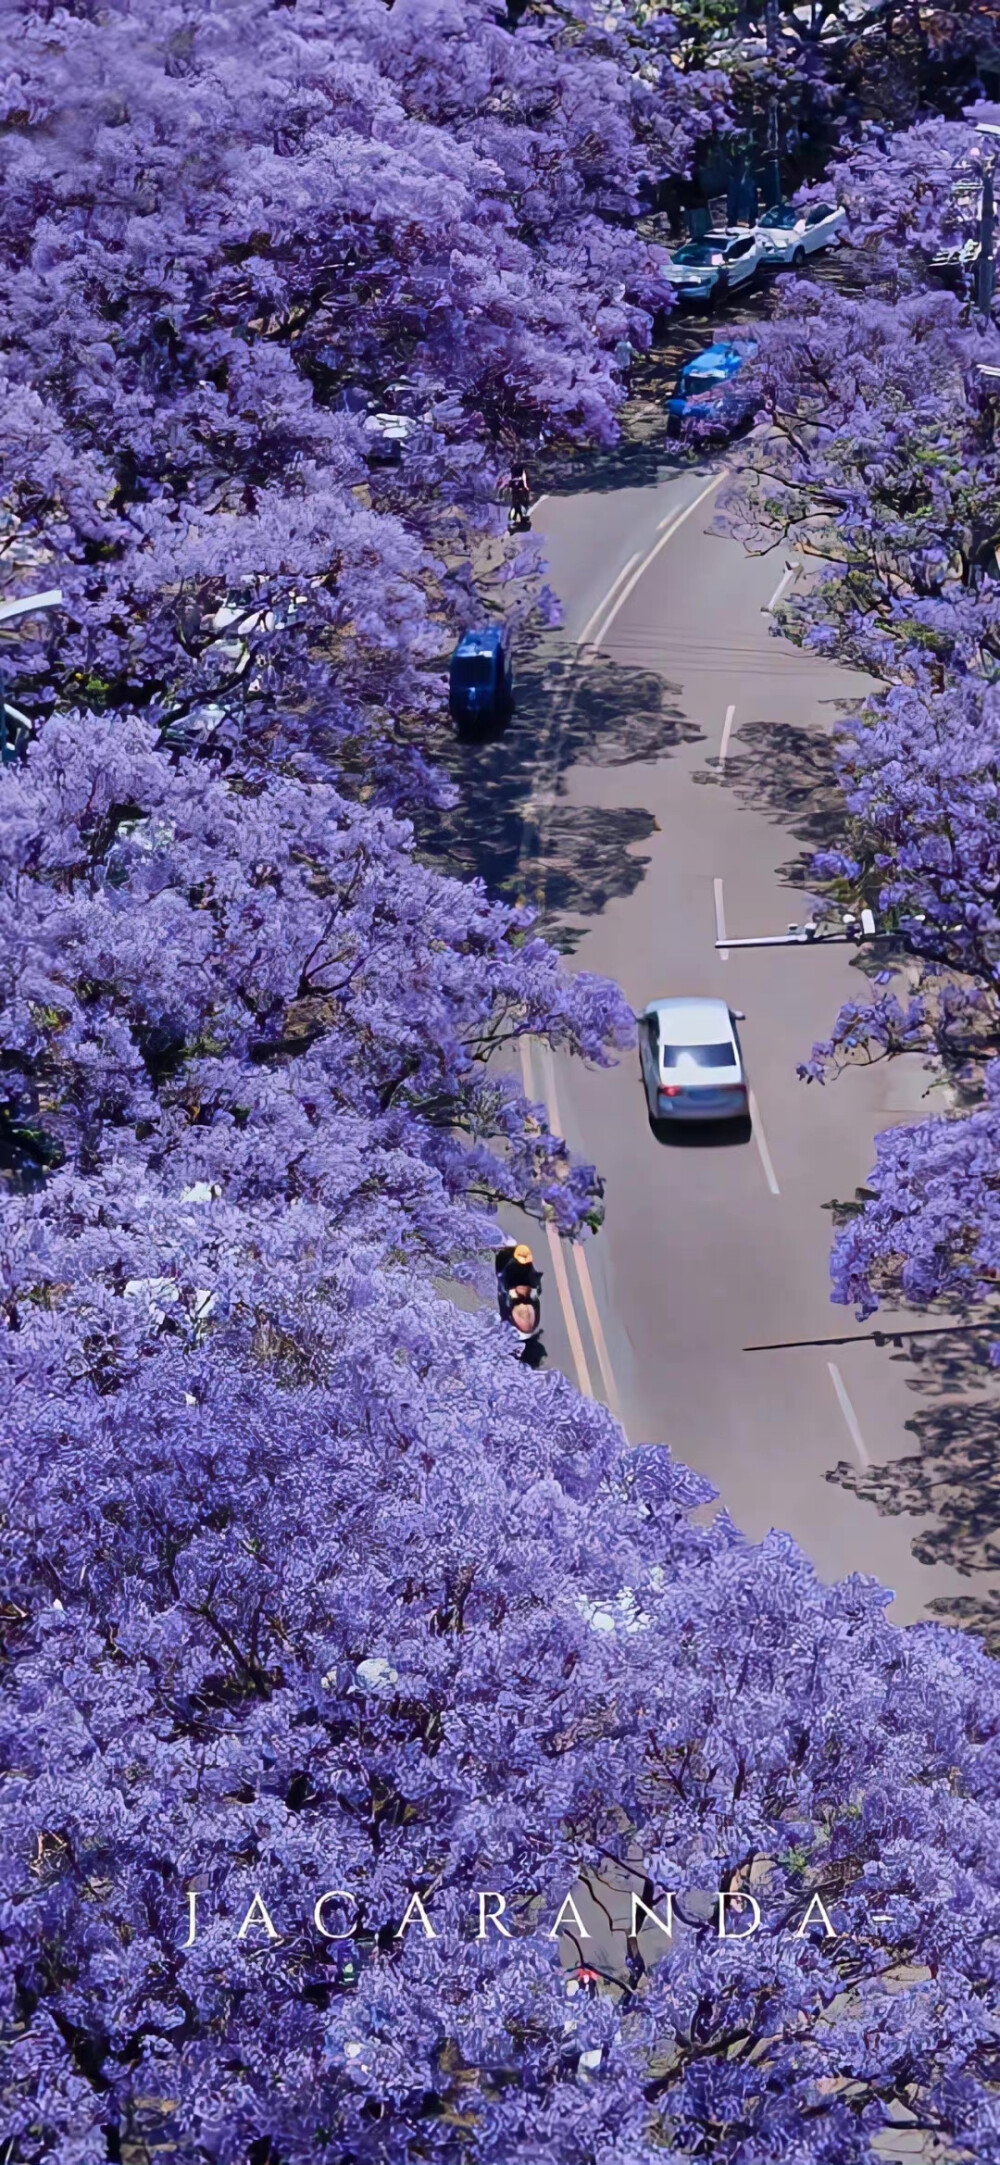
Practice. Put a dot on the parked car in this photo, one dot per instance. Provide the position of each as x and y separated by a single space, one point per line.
959 257
481 677
957 262
717 264
692 1062
706 390
388 434
788 235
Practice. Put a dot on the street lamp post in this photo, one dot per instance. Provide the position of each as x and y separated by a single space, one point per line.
809 934
856 929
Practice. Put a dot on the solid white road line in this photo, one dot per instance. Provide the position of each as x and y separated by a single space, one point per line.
720 920
579 1254
569 1314
672 518
671 526
726 734
786 580
544 803
597 613
558 1259
850 1416
761 1141
597 1333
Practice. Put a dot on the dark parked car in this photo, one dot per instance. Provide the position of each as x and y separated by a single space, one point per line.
481 679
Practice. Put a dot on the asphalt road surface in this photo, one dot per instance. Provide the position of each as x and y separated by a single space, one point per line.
711 1246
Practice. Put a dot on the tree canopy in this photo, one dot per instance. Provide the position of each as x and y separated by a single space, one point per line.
307 1584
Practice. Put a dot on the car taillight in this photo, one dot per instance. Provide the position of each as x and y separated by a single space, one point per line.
672 1090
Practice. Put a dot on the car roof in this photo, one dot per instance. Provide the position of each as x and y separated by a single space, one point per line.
713 357
692 1022
480 642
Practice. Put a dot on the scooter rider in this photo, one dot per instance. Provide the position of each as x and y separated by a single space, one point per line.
517 1272
519 1283
520 493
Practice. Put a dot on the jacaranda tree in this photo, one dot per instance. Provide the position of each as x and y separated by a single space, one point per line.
878 460
221 228
309 1589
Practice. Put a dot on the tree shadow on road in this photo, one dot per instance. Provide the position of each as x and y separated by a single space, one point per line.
952 1479
636 465
512 825
789 775
587 861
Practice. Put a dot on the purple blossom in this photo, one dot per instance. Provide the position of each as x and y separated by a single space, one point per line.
878 457
307 1584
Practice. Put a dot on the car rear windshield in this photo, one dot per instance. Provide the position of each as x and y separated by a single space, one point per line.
702 1055
473 669
784 217
703 379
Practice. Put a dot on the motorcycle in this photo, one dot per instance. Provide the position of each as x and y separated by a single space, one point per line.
519 1284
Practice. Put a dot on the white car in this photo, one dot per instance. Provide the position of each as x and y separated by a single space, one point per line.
388 434
959 256
692 1062
788 235
714 266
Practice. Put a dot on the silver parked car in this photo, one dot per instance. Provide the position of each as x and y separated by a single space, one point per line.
388 435
692 1062
788 235
710 268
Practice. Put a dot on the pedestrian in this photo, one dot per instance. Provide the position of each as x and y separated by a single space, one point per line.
520 494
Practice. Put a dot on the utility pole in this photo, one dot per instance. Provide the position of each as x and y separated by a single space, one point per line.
987 242
772 169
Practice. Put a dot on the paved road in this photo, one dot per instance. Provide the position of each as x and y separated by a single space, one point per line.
710 1248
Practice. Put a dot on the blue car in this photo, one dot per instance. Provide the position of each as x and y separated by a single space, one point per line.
481 678
706 390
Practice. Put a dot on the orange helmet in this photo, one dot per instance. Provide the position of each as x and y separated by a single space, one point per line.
523 1255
